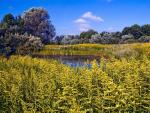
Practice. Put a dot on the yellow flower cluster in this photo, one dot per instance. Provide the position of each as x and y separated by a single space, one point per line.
30 85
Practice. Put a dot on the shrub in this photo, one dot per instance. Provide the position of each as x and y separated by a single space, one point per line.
70 39
105 38
135 30
88 34
96 39
146 29
127 39
19 44
144 39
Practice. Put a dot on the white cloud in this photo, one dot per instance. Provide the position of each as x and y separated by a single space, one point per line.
83 24
84 21
84 27
80 20
90 16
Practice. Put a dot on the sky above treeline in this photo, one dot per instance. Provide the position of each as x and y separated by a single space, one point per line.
75 16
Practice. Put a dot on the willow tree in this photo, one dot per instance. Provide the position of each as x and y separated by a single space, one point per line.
37 22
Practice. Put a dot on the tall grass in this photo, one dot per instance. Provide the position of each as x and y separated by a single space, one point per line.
118 51
30 85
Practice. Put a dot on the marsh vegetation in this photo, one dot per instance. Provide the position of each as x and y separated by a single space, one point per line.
87 73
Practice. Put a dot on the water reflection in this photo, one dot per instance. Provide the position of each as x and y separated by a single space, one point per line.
74 60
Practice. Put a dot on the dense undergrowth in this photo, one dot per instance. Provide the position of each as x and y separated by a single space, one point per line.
30 85
120 85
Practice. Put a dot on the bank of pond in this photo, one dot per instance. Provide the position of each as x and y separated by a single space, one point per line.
112 79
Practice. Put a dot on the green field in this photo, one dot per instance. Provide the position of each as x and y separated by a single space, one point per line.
120 85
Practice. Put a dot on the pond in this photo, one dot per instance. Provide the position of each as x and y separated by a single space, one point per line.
73 60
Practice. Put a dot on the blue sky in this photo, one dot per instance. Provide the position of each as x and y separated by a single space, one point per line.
74 16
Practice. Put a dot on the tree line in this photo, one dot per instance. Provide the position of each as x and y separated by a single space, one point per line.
29 31
25 33
132 34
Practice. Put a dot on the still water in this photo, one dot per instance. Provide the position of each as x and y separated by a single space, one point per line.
74 60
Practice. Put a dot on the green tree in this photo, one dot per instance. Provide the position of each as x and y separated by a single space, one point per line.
88 34
12 24
8 21
134 30
37 23
146 29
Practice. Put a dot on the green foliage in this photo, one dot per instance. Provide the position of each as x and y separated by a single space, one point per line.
35 85
146 29
37 22
137 50
87 34
134 30
133 34
19 44
12 24
34 22
144 39
8 20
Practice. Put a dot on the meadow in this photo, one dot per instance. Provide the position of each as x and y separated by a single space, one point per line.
103 50
120 85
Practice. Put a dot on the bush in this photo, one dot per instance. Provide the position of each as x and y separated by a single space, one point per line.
96 39
144 39
127 39
19 44
146 29
88 34
105 38
70 39
135 30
